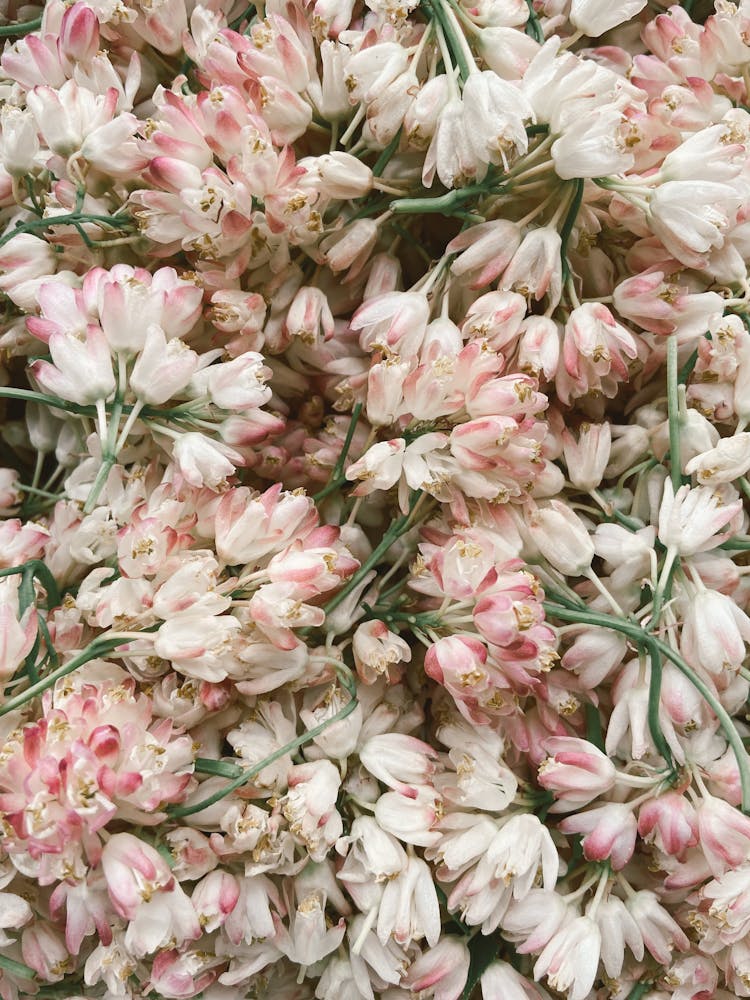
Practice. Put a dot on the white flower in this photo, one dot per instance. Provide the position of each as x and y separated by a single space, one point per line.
593 17
570 960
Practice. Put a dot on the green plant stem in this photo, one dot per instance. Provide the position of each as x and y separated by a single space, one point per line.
445 204
39 569
19 28
455 43
533 27
382 161
673 410
109 455
178 812
687 369
16 968
398 528
99 647
70 219
567 227
736 544
337 479
222 768
643 638
246 13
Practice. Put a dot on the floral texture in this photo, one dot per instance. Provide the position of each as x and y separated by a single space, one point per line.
375 400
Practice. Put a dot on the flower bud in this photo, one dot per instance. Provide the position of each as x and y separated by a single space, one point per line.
342 176
576 772
587 457
20 143
727 461
561 537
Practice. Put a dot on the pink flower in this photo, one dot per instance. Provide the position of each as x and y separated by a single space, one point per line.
441 972
723 834
81 370
571 958
690 519
610 833
144 892
659 931
575 771
670 822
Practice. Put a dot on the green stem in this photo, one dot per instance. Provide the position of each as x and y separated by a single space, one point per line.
234 25
39 569
38 493
444 204
16 968
687 369
567 228
382 161
639 990
19 28
663 585
222 768
641 637
736 544
398 528
449 30
654 704
673 409
99 647
533 27
71 219
54 401
109 455
178 812
337 479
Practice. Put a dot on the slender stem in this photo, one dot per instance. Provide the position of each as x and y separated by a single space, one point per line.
109 452
398 528
19 28
533 27
16 968
177 812
673 409
337 478
449 30
642 637
40 570
567 228
382 161
99 647
663 585
70 219
40 397
654 704
204 765
234 25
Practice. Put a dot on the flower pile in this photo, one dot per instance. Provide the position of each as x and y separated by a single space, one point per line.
374 601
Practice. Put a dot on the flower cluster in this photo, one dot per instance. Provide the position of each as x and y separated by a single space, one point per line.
375 388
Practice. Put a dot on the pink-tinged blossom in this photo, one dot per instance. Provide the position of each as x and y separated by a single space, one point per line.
81 370
571 958
609 833
691 520
310 806
661 934
619 930
441 972
723 833
561 537
670 822
575 771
